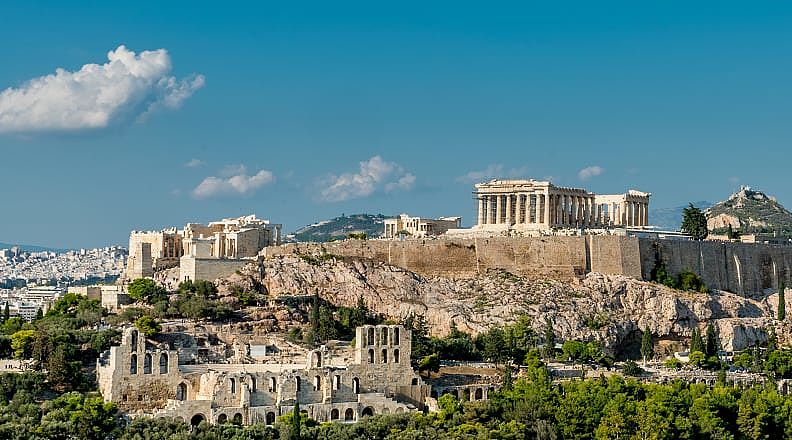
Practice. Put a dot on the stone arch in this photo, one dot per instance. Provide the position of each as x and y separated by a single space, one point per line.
479 395
384 357
133 364
371 355
232 385
181 391
270 418
163 363
197 419
273 384
395 336
367 412
414 381
396 356
356 385
334 414
147 363
317 383
370 338
237 420
399 410
222 418
466 394
349 414
383 335
455 393
385 411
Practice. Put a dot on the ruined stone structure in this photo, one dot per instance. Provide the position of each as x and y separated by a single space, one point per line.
540 205
418 226
203 252
144 378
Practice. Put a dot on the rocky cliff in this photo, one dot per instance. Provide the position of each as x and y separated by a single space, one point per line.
608 308
749 211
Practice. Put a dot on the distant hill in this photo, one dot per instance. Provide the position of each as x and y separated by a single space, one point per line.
339 227
32 248
750 211
670 219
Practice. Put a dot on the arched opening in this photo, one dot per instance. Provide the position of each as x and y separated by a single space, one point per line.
414 381
466 394
163 361
253 385
399 410
197 419
270 418
181 391
273 384
368 411
232 384
455 393
356 385
370 336
134 340
396 356
479 394
334 414
336 382
385 411
299 383
317 383
384 336
371 355
237 419
222 418
349 414
396 336
147 363
384 356
133 364
318 360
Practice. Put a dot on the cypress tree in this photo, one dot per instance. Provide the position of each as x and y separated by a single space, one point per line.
549 339
711 349
647 345
295 428
781 302
696 344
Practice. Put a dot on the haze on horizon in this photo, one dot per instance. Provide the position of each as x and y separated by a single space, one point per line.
150 115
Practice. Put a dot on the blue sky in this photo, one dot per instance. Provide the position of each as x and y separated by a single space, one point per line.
324 108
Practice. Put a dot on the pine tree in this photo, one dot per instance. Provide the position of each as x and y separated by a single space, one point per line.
295 428
696 343
549 339
647 346
781 302
711 349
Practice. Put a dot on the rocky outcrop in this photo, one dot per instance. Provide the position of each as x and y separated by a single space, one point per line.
611 309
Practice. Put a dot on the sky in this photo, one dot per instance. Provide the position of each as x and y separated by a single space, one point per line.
145 115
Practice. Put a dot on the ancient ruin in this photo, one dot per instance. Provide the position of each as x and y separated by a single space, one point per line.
418 226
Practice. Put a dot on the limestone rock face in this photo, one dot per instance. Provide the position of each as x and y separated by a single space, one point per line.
610 309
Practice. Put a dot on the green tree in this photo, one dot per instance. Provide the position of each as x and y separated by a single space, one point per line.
711 347
146 290
22 343
694 222
295 427
148 326
549 339
781 302
430 364
6 312
647 346
696 343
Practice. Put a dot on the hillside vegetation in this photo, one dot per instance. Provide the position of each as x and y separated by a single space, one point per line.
750 211
340 227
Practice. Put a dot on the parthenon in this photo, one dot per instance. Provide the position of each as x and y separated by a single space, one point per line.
540 205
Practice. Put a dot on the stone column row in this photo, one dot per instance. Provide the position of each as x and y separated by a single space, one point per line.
513 208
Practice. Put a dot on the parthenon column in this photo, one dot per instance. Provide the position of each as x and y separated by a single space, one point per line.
498 208
481 208
490 210
509 219
545 210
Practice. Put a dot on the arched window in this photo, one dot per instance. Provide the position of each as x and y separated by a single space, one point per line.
334 414
233 385
133 364
318 360
163 363
479 394
396 336
384 356
396 356
317 383
270 418
237 419
349 414
383 335
336 382
356 385
252 384
368 411
134 340
197 419
299 382
222 418
147 363
371 355
181 391
273 384
371 336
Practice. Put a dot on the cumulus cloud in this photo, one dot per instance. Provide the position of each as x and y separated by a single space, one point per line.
128 85
373 175
589 172
194 163
494 170
238 184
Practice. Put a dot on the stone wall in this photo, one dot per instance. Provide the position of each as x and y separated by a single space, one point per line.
736 267
208 269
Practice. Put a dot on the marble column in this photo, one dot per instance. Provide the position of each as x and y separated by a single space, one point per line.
490 210
481 208
541 216
498 208
517 208
509 217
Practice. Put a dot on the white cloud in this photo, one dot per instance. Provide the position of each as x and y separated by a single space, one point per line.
493 170
374 175
238 184
194 163
589 172
97 95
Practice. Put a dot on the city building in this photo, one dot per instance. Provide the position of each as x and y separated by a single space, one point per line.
541 206
418 226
